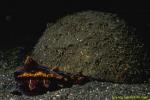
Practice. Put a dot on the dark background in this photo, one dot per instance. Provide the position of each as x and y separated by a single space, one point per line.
23 22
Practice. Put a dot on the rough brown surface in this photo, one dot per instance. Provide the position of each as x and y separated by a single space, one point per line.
96 43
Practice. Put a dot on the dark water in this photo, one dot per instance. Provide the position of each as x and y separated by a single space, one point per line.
23 22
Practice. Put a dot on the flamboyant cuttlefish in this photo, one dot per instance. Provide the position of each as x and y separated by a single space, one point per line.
34 79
